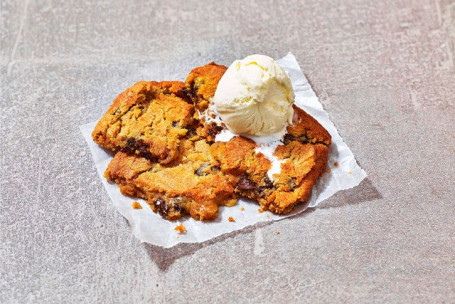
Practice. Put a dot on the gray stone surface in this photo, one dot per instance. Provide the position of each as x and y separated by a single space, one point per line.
384 71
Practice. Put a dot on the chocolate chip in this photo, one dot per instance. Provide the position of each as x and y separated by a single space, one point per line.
142 147
175 205
149 95
245 183
194 86
213 129
287 138
188 95
139 147
130 144
268 183
302 139
161 206
191 132
174 124
178 208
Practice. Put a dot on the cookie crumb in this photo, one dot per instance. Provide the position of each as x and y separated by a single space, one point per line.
335 164
260 210
349 172
136 205
268 215
180 228
328 170
277 232
242 209
231 219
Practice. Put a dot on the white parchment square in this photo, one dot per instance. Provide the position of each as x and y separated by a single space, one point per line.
150 227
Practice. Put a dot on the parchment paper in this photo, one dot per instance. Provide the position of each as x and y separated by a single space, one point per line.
152 228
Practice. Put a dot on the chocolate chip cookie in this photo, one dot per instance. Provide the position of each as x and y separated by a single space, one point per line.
167 154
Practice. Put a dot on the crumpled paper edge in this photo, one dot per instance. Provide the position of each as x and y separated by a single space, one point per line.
149 227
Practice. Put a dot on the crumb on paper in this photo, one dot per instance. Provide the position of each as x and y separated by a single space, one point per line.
136 205
231 219
350 172
277 232
335 164
328 170
180 228
268 215
242 209
260 210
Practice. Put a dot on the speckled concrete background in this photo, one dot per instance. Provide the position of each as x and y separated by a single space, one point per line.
384 71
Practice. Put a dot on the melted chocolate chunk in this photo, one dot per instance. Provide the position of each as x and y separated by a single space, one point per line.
130 144
139 147
213 129
268 183
287 138
178 208
145 95
302 139
142 147
161 206
191 132
188 95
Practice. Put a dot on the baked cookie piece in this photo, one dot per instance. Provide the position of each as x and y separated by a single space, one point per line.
200 87
303 157
201 84
148 119
195 185
306 129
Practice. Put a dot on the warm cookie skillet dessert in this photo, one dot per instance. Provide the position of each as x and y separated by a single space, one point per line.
165 136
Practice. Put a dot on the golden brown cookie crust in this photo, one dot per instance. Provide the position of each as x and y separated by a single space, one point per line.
202 82
148 119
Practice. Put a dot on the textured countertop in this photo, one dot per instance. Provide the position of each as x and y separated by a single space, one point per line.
385 73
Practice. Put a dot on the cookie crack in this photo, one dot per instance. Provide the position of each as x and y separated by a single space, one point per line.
303 139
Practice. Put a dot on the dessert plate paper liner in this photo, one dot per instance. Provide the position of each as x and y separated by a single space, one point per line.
152 228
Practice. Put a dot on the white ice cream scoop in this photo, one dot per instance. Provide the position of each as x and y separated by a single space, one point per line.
255 97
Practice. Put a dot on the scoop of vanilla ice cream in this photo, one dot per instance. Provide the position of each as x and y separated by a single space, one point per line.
255 97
